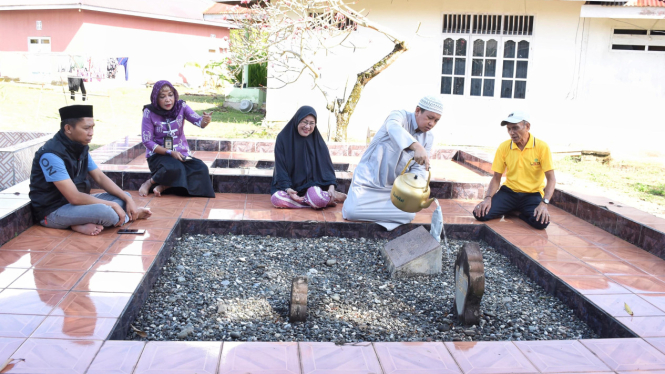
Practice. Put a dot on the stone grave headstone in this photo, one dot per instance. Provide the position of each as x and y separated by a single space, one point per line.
469 283
413 253
298 300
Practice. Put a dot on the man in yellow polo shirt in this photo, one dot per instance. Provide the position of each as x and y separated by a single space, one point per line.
527 161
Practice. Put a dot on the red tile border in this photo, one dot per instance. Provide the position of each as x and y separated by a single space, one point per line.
39 279
92 304
75 327
18 325
489 358
179 358
117 357
594 285
54 356
626 354
39 302
415 357
89 312
269 357
329 358
561 356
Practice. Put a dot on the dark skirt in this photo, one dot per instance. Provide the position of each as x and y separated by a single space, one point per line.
187 178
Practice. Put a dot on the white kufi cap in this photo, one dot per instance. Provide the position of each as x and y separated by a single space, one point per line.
431 103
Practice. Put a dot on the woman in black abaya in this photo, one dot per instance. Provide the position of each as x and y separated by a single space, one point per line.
304 175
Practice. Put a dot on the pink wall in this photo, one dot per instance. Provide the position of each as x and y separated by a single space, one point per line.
62 25
17 25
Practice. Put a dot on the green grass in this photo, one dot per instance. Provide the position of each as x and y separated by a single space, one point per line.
658 190
26 108
643 180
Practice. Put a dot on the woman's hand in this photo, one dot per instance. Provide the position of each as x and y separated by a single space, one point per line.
294 195
207 117
177 155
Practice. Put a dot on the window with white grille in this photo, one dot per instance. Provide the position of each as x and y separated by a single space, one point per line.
496 61
638 40
483 67
453 71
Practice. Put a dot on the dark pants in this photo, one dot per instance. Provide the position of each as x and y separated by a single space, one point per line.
74 84
506 200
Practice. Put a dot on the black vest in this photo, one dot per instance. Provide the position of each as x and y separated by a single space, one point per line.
45 196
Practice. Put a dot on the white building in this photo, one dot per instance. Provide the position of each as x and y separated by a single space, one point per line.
590 74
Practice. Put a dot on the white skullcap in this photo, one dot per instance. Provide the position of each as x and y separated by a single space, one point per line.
431 103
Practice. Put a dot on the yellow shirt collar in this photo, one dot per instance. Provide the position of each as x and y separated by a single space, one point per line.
531 143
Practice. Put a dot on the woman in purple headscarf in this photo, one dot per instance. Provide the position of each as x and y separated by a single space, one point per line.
167 151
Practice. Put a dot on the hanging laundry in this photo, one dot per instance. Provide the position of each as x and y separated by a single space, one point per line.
123 61
111 68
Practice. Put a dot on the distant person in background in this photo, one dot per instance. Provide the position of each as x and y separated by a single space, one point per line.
166 146
303 176
527 161
59 186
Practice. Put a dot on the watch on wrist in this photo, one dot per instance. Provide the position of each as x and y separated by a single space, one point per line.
168 152
546 201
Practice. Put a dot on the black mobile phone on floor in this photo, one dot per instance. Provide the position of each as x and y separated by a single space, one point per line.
131 231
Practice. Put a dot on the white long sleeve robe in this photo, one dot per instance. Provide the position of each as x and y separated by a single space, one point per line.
382 162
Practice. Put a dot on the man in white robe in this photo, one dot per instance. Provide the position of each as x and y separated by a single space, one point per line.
403 136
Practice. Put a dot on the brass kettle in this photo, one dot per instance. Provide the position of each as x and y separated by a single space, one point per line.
410 193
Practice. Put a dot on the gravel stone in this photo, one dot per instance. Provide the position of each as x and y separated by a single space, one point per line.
331 262
241 291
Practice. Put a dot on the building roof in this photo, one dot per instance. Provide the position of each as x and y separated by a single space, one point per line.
190 11
220 8
630 3
645 3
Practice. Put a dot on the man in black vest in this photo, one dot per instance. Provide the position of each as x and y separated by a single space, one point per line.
59 186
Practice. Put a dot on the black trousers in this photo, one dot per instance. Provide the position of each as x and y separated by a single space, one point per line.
507 200
74 84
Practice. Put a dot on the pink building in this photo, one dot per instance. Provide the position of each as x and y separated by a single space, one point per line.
40 37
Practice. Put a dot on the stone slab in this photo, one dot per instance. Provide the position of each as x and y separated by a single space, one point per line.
413 253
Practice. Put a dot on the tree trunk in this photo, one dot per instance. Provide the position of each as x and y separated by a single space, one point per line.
344 114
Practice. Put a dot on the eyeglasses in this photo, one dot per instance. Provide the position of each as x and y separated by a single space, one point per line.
305 123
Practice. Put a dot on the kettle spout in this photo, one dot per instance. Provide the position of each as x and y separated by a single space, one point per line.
426 204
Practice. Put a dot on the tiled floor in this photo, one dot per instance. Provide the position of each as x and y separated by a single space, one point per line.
61 294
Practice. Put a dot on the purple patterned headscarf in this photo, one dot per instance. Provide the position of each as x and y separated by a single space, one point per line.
154 101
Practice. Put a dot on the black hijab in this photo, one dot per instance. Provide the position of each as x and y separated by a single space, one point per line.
301 162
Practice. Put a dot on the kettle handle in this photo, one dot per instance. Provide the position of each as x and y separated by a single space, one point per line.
429 175
406 167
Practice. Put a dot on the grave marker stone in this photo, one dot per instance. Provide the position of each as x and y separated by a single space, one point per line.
469 283
413 253
298 300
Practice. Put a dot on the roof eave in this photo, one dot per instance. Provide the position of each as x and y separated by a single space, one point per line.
118 11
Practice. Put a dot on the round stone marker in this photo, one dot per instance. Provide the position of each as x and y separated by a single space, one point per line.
469 283
298 301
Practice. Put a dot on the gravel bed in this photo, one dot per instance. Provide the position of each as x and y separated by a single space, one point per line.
237 288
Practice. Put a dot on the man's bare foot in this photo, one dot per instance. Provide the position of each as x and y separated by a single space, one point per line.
144 213
88 229
159 189
145 188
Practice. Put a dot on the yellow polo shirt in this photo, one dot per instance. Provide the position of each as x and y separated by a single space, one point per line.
526 169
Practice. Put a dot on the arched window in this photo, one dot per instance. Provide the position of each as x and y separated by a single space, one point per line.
454 66
483 67
514 72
